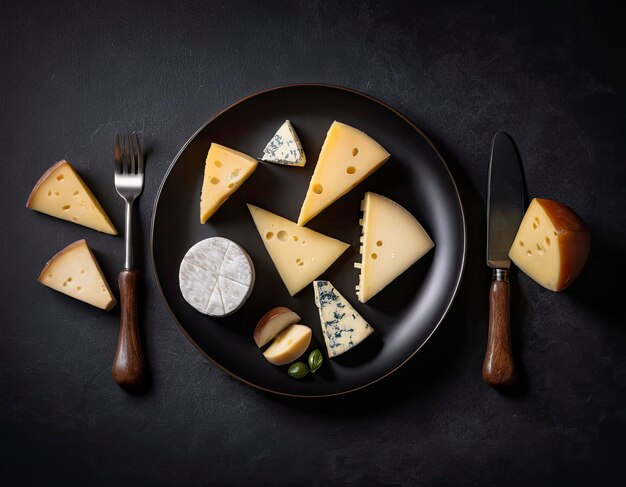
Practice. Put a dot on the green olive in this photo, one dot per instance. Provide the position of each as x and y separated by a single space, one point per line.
298 370
315 360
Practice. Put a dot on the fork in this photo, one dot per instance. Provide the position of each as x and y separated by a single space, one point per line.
128 364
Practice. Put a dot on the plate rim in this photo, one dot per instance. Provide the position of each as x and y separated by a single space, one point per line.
238 102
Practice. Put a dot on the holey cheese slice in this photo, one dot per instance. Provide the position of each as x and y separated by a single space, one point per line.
299 254
285 147
343 328
61 193
74 271
552 244
216 276
224 171
392 241
348 156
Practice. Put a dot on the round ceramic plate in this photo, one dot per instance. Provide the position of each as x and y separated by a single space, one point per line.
404 315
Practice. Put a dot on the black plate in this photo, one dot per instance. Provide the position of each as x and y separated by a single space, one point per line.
404 315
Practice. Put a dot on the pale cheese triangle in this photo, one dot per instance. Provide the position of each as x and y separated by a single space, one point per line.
285 147
342 326
224 171
61 193
348 156
299 254
74 271
392 241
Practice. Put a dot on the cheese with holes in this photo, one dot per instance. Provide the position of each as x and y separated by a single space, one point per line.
61 193
216 276
342 326
285 147
551 245
299 254
348 157
392 241
225 170
75 271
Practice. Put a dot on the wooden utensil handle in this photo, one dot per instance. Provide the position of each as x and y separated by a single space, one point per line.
128 364
498 367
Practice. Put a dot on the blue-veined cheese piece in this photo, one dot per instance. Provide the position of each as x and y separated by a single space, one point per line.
343 328
285 147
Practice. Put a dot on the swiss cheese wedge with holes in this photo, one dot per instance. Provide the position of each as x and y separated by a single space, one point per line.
74 271
392 241
348 156
551 245
225 170
299 254
61 193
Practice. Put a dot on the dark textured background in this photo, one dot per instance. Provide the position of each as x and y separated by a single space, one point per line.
552 76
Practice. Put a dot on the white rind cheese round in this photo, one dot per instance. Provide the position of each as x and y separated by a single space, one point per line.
216 276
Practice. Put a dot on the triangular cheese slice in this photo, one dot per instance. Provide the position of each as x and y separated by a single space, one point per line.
285 147
342 326
224 171
392 241
348 157
61 193
299 254
74 271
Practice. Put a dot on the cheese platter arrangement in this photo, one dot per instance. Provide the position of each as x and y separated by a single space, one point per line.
308 240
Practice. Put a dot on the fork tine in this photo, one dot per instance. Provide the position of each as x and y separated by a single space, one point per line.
139 156
131 149
116 155
124 155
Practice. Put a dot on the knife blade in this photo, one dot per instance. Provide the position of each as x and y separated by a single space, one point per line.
505 210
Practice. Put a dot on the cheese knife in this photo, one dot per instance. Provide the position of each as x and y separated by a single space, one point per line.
505 209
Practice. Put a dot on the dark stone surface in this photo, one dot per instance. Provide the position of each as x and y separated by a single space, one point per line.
552 76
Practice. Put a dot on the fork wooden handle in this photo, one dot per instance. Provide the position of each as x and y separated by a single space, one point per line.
498 367
128 364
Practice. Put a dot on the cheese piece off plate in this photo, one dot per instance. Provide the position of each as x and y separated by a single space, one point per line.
216 276
285 147
74 271
551 245
392 241
60 192
225 170
348 156
300 254
342 326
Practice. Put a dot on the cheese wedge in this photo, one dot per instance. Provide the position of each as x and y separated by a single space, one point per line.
60 192
551 245
348 157
299 254
224 171
285 147
342 326
74 271
288 345
392 241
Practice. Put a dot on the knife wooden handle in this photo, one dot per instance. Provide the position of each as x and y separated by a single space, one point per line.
498 367
128 364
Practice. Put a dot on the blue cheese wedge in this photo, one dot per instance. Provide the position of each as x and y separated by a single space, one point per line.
216 276
285 147
343 328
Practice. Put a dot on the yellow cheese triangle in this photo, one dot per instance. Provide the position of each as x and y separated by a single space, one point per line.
551 245
348 157
299 254
224 171
392 241
74 271
61 193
